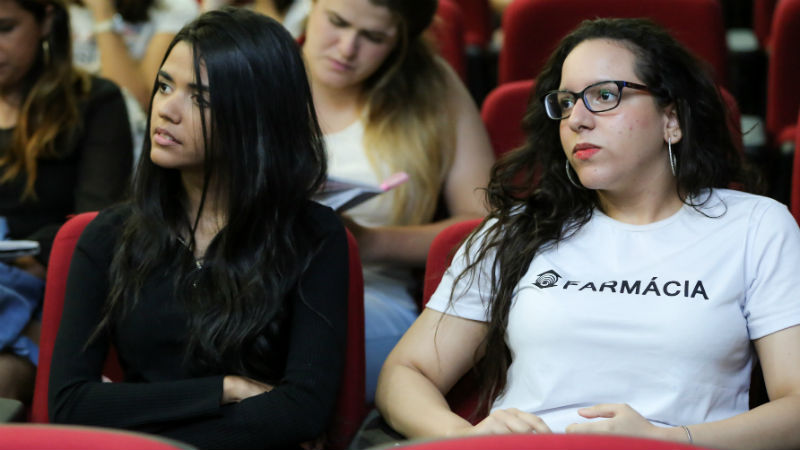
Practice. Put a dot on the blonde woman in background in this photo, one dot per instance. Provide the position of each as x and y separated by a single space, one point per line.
387 103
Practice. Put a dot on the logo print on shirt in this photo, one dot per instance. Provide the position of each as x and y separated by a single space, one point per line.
547 279
670 288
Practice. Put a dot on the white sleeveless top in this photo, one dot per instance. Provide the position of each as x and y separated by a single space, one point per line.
347 158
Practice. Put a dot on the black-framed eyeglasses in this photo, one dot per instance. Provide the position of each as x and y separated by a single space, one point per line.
597 97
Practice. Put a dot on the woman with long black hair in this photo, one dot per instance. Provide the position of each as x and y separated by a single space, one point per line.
221 285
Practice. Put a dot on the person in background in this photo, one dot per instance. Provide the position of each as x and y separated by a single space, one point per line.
221 285
124 40
387 103
65 148
629 291
291 13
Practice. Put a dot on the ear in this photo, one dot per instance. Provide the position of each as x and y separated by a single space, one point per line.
672 126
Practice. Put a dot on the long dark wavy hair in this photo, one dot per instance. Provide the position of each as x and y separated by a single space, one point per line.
527 218
265 152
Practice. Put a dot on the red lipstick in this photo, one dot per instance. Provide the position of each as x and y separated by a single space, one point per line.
585 151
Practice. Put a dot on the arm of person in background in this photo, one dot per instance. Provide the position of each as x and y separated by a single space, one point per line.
116 62
106 149
473 159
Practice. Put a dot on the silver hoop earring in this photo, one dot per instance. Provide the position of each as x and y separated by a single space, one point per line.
673 163
570 177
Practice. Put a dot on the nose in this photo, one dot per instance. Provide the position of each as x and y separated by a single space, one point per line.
580 116
348 44
167 106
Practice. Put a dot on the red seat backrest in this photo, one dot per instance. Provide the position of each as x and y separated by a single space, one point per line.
71 437
448 30
795 202
463 397
477 22
502 112
763 10
556 441
783 95
532 29
57 271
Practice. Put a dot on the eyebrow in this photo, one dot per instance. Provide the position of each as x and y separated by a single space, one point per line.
375 33
202 88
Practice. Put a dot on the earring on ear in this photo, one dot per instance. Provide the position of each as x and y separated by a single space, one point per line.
673 163
577 184
46 51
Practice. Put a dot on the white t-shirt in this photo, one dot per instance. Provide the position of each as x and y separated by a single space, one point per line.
658 316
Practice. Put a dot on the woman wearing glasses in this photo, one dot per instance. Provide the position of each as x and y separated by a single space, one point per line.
630 292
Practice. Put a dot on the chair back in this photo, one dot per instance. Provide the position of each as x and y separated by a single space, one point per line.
502 112
477 22
448 31
763 10
795 196
532 29
351 405
57 271
557 441
783 96
463 397
71 437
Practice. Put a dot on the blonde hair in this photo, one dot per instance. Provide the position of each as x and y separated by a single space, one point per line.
407 126
50 106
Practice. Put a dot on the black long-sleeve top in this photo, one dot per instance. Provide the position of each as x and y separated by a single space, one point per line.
90 170
160 394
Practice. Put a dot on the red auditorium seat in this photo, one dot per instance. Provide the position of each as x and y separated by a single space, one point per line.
783 95
529 441
448 30
66 437
795 196
533 28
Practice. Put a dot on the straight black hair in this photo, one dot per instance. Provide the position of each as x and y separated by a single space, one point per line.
264 150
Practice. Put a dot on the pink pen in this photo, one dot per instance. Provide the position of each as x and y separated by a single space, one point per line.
394 180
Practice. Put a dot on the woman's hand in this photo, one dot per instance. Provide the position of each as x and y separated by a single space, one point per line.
31 265
365 237
620 419
512 420
236 388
